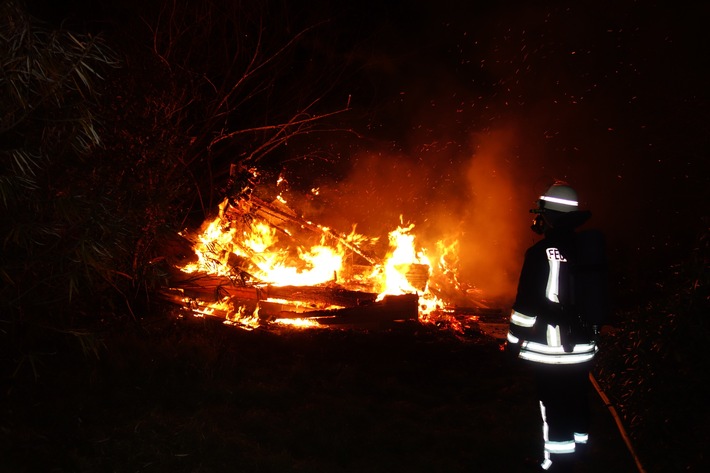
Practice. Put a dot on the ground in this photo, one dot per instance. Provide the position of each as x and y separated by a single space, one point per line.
194 395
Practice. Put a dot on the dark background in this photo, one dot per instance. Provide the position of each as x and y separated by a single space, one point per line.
610 96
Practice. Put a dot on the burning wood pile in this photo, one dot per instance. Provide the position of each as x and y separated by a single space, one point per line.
259 263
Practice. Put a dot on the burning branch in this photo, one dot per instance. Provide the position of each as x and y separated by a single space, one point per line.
258 208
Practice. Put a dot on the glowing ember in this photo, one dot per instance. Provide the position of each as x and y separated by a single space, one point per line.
304 323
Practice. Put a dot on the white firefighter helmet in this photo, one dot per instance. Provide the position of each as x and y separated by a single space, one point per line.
559 197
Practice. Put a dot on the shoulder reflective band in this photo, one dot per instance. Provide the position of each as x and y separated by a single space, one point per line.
557 200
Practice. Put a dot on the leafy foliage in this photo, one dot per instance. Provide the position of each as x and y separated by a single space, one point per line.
58 238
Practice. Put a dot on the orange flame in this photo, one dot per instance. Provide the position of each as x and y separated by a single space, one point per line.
257 250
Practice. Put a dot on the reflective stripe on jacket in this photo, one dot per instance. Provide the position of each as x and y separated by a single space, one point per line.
550 351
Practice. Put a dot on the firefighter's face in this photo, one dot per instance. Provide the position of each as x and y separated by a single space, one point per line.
538 224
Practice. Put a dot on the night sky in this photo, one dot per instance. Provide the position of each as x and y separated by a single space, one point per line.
610 96
466 110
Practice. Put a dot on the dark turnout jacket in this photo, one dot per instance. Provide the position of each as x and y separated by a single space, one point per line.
562 293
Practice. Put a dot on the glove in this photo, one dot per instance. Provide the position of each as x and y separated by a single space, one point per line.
512 349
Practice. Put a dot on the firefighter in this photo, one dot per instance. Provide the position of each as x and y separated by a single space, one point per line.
559 308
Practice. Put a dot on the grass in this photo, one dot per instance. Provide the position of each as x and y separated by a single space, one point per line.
194 395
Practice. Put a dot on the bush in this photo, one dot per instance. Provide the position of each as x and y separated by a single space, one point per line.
59 237
656 370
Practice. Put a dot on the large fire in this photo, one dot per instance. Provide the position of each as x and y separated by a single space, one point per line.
259 244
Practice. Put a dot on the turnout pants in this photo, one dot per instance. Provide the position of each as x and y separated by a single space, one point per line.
563 391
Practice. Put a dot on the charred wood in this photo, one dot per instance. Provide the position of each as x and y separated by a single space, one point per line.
373 315
322 295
